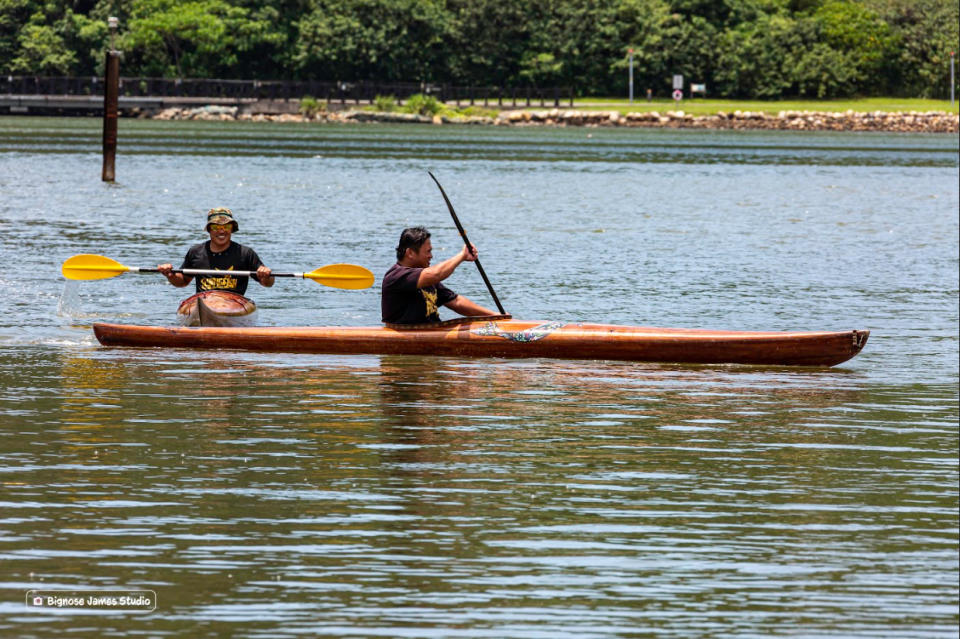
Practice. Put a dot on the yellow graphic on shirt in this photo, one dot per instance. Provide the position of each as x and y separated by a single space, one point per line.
431 300
225 283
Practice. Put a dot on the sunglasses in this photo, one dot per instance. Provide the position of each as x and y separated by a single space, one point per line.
221 227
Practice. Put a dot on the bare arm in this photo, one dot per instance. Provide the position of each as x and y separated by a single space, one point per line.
264 276
465 306
177 279
435 274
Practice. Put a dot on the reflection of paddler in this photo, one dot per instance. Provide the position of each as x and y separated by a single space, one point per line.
221 254
418 422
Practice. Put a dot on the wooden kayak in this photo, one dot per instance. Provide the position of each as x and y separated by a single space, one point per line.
217 308
500 336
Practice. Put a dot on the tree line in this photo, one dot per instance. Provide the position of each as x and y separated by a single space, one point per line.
738 48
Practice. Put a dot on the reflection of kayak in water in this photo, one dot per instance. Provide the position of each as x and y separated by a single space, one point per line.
500 336
217 308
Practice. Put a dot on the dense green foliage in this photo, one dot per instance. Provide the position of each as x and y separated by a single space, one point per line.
738 48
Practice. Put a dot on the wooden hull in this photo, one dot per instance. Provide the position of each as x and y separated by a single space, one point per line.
217 308
512 339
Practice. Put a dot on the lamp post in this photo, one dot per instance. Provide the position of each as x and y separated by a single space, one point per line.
630 51
111 90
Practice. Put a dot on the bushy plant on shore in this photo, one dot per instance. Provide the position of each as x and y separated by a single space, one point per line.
422 104
384 103
310 106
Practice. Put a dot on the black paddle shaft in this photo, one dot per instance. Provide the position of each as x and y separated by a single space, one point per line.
463 234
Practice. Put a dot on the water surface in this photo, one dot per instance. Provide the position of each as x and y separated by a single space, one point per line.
309 495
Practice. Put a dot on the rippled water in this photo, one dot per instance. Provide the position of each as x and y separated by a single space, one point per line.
287 495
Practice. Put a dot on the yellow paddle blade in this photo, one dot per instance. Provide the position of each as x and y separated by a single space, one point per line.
342 276
92 267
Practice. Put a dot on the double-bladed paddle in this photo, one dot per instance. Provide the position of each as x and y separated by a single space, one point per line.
98 267
463 234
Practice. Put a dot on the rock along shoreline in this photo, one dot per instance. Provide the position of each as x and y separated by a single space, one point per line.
902 122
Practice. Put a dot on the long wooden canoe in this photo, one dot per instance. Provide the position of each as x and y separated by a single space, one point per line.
501 336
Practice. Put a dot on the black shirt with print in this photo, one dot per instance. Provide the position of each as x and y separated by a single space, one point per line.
401 302
236 258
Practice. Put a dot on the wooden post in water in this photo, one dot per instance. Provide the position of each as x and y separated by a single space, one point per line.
111 90
953 80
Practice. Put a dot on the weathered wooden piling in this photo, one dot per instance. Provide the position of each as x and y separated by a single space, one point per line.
111 91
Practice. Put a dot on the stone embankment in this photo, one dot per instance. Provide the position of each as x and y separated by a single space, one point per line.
912 122
933 121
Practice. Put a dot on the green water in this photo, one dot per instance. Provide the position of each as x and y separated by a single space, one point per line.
303 495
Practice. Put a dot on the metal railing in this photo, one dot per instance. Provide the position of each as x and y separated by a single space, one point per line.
342 92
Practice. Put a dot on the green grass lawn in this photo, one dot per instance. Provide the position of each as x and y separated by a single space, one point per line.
705 106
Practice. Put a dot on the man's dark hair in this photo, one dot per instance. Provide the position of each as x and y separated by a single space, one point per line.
414 238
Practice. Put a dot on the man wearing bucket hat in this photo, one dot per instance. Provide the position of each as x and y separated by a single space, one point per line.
221 254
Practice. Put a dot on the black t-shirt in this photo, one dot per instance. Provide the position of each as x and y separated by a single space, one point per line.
401 302
236 258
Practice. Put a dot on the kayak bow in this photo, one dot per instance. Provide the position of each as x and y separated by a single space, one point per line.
217 308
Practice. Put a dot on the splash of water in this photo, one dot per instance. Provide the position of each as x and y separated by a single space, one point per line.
70 304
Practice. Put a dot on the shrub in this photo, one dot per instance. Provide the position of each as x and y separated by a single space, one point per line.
310 106
384 103
423 105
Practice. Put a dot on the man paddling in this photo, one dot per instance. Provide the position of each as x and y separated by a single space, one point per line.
412 290
222 254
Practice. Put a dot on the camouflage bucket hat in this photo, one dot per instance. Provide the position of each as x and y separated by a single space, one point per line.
221 215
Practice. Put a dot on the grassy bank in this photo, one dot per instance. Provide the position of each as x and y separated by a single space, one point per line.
705 106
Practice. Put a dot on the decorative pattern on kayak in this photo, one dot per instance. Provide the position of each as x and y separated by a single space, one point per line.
529 335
